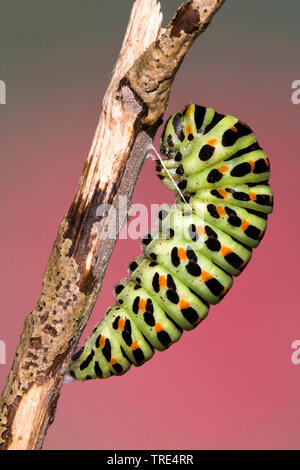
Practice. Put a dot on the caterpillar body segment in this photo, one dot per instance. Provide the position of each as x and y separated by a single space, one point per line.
215 244
248 228
190 266
184 307
256 197
149 316
204 240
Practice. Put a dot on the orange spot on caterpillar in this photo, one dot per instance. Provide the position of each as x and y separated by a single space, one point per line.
261 233
252 164
113 361
205 276
225 250
244 225
142 304
121 324
223 292
197 321
243 264
181 254
252 196
271 199
162 281
212 142
223 169
233 128
134 345
183 303
221 211
158 327
188 129
267 162
101 341
200 230
190 109
223 193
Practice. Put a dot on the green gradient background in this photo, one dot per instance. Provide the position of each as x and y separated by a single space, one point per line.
81 39
242 391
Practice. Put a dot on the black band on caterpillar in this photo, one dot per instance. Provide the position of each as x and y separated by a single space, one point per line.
188 264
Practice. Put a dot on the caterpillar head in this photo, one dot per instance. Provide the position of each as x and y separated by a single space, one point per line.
178 134
179 139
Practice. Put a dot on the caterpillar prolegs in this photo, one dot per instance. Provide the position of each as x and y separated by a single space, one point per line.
203 240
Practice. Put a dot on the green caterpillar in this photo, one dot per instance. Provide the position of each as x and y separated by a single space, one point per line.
203 240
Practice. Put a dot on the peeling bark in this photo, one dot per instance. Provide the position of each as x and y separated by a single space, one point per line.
132 109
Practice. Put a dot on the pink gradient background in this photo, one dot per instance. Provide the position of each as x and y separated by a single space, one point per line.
229 384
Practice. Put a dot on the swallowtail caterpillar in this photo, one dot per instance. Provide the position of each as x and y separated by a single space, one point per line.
203 240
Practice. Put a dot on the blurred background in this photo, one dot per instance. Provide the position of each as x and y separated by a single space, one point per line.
231 383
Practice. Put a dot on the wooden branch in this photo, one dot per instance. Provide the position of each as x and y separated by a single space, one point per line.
132 109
